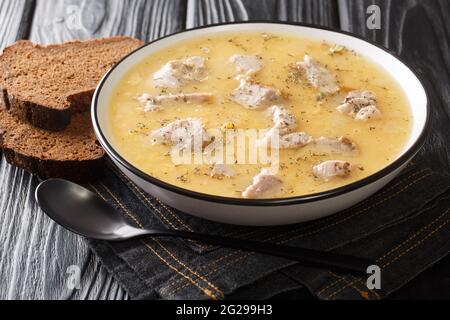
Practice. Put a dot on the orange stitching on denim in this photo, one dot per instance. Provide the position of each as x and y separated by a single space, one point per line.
174 281
207 291
162 204
364 285
181 285
334 283
329 286
352 284
398 246
339 290
416 244
348 284
443 224
173 214
355 213
400 255
346 218
410 238
222 295
154 207
165 249
120 204
143 197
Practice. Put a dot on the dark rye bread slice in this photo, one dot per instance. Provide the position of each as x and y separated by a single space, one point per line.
72 154
45 85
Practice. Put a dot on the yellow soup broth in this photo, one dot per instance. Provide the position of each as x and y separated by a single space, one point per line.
379 141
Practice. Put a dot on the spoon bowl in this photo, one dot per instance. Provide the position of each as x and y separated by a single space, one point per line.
80 210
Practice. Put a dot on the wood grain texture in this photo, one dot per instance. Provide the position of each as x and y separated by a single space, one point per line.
60 20
35 253
418 31
15 17
204 12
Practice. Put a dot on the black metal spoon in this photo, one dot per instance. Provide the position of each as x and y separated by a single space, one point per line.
83 212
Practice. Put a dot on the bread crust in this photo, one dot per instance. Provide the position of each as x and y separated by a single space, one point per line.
71 167
41 115
38 115
20 111
73 170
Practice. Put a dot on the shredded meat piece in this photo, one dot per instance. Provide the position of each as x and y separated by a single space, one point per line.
360 105
264 184
246 65
182 134
221 170
283 120
154 103
254 95
176 73
332 168
318 75
294 140
284 123
340 145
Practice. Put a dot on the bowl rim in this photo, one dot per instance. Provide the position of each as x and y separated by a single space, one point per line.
407 155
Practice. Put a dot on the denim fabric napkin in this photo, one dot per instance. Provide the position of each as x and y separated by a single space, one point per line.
404 228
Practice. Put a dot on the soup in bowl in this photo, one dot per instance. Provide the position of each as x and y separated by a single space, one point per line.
260 123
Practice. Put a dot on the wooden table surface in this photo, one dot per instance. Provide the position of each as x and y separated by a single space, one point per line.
36 255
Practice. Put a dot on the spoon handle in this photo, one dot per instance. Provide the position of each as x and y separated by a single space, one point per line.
307 257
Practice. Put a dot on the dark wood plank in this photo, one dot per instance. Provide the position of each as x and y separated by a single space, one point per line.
61 20
35 252
203 12
16 19
419 31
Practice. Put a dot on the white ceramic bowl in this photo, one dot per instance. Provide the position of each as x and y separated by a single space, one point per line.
270 211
